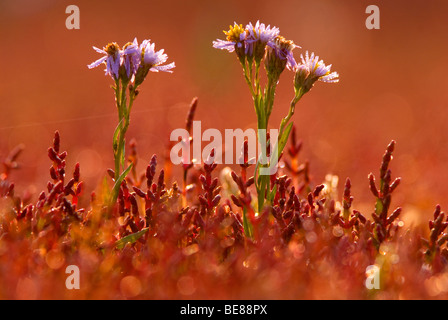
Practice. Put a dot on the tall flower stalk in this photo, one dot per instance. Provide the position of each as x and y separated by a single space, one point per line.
259 43
128 67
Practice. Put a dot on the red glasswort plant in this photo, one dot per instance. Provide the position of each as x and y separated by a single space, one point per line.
152 246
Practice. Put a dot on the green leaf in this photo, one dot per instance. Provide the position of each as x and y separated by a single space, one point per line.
116 133
123 152
271 194
122 176
262 191
284 138
118 183
132 238
248 229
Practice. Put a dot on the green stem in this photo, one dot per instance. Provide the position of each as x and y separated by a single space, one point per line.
117 98
288 117
257 78
247 226
248 78
261 180
123 115
120 139
116 145
269 95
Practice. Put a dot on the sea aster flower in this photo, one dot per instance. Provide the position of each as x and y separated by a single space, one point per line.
235 38
112 59
133 62
310 70
154 59
258 37
130 58
279 55
148 59
317 69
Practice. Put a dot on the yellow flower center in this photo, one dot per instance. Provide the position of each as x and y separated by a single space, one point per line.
112 48
234 33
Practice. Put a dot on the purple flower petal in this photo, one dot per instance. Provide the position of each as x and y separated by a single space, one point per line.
224 45
165 68
97 63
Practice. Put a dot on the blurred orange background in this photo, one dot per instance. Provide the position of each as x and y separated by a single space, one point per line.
391 87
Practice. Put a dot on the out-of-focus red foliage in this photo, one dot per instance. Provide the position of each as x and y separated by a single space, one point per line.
305 245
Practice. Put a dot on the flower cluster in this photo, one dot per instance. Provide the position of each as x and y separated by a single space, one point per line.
133 62
254 43
128 67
